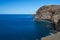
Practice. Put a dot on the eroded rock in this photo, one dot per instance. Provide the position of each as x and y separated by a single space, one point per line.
49 13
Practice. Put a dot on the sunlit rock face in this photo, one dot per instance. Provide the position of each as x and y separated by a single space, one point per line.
49 13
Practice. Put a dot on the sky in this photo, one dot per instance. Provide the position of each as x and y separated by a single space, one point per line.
24 6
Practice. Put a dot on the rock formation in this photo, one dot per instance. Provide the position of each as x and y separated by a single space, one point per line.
49 13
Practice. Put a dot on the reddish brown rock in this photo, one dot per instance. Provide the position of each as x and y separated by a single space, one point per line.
49 13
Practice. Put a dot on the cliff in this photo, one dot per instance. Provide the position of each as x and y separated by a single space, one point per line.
49 13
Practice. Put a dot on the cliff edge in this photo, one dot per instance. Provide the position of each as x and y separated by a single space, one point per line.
49 13
52 37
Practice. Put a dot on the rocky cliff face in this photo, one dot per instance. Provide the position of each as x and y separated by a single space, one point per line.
49 13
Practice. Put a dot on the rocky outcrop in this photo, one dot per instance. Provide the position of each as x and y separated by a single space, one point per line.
49 13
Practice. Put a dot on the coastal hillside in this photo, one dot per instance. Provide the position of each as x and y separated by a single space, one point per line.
49 13
52 37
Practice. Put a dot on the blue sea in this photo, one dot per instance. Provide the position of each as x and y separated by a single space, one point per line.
22 27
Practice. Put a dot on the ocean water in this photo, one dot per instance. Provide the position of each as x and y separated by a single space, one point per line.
22 27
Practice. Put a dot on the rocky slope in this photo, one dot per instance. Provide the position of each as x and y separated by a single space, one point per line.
52 37
49 13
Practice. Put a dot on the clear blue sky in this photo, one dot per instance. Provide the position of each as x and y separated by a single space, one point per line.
23 6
